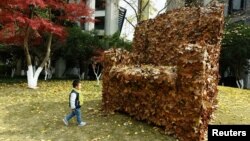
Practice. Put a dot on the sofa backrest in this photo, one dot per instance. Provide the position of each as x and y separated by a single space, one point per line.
160 41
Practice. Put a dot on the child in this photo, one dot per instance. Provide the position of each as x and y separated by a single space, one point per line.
74 104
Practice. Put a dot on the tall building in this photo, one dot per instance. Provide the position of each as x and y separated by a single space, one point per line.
238 10
108 14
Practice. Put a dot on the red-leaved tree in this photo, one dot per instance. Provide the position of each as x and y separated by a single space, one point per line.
27 22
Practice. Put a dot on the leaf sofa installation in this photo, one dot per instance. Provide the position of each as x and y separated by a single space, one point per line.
170 77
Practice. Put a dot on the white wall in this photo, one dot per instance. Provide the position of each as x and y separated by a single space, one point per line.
90 25
111 17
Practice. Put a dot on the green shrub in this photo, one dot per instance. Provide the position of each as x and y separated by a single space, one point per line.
235 48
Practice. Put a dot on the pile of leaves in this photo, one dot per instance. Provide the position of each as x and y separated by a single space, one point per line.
182 101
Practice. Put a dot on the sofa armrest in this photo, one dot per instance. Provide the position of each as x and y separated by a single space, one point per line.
113 57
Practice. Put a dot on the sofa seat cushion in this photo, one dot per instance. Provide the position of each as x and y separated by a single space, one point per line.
149 73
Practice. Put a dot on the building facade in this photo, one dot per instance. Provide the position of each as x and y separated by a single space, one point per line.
238 10
109 17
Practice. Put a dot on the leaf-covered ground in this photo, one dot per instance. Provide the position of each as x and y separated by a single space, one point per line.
36 115
233 106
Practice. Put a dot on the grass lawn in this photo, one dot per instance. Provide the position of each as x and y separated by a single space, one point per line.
36 115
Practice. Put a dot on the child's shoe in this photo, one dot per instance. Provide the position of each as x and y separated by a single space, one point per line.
82 124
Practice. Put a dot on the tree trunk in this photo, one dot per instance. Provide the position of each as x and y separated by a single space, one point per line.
98 76
13 70
143 10
32 75
240 83
172 4
26 46
239 77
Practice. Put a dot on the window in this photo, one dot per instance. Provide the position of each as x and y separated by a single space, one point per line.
236 6
99 24
82 24
100 5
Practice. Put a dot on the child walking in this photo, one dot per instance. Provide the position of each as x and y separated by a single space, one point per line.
74 104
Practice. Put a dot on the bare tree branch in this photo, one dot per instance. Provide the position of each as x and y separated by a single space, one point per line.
168 2
47 55
136 14
129 22
166 5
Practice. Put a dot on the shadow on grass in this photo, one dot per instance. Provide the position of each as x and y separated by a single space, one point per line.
12 80
43 121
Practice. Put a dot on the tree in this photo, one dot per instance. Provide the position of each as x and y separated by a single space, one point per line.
116 41
235 51
79 48
141 10
97 68
85 49
144 8
28 23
